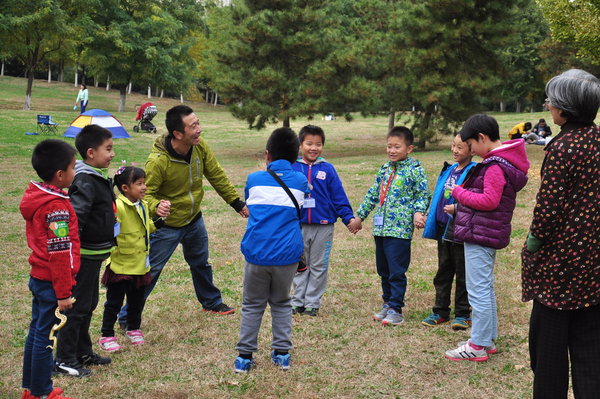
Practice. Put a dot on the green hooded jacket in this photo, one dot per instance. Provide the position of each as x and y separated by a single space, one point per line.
173 179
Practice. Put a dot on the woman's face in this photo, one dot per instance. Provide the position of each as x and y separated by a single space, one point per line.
81 87
556 115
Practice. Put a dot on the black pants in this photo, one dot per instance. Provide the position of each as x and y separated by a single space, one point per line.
74 338
451 262
115 294
554 337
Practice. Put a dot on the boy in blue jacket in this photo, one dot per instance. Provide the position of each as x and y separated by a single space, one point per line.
272 247
451 255
326 202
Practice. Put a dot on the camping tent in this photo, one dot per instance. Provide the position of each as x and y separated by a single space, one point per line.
97 117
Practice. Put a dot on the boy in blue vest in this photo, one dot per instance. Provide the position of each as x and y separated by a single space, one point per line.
272 246
326 202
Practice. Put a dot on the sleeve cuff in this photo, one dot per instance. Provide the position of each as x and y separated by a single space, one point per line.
238 205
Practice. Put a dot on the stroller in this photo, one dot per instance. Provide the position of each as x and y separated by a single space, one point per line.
144 116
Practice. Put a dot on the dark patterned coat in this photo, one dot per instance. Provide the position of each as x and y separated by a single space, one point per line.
564 273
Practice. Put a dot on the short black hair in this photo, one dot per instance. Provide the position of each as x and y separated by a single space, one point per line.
311 129
91 136
402 132
127 175
480 123
283 144
527 125
174 119
50 156
542 120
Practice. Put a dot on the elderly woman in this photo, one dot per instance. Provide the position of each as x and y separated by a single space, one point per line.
561 259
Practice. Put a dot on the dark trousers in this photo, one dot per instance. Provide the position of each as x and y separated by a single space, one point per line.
37 359
74 338
451 262
392 257
115 294
554 337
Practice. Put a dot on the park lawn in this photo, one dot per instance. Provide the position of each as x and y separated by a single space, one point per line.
340 354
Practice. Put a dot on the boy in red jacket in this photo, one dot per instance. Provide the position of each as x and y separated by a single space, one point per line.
51 228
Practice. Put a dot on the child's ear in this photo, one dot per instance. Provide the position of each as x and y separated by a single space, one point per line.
89 154
268 156
124 188
410 149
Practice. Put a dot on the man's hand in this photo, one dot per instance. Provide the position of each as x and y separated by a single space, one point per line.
244 212
65 304
164 208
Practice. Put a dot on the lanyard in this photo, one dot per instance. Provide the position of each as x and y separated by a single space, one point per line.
383 193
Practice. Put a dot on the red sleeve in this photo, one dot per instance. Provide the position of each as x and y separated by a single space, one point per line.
59 245
489 199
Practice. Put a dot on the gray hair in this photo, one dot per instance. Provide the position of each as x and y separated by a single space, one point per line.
577 93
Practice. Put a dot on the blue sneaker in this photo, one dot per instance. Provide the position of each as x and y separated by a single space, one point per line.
433 320
461 323
242 365
281 361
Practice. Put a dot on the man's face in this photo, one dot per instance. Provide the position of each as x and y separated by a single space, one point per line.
191 131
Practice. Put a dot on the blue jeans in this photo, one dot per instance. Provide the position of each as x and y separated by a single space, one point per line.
479 267
392 257
83 105
37 359
194 239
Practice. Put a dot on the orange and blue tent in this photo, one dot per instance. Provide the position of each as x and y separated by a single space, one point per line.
97 117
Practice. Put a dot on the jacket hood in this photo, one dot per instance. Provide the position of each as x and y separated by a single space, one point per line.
319 160
82 167
159 144
38 194
514 152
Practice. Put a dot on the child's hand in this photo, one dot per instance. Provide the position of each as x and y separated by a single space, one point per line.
245 212
354 225
449 209
65 304
419 220
164 208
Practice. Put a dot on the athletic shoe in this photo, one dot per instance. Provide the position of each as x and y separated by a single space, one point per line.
136 337
220 309
109 344
27 393
467 352
461 323
433 320
94 360
52 395
490 350
281 361
72 369
379 316
311 312
392 318
298 309
242 365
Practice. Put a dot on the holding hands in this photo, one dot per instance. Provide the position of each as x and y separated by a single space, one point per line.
164 208
354 225
419 220
449 209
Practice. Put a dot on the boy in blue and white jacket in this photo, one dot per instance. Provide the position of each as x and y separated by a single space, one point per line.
272 247
326 202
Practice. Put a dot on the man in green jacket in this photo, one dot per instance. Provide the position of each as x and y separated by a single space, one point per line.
174 172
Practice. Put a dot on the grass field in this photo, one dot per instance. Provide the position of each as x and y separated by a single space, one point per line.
340 354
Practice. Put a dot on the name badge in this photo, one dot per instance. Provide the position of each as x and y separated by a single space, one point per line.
117 228
378 220
309 203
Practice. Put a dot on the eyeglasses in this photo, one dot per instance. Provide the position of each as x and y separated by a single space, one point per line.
547 101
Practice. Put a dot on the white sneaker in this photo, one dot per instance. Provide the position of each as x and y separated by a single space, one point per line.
109 344
392 318
490 350
467 352
136 337
379 316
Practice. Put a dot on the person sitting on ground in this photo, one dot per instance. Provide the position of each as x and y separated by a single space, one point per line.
539 134
519 131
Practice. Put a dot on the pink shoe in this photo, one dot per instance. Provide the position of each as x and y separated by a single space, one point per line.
109 344
136 337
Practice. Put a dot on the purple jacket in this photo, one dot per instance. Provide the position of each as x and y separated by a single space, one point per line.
492 228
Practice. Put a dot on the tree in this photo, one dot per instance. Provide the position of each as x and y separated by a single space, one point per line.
31 30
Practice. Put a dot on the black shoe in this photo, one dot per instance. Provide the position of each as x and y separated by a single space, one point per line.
72 369
311 311
220 309
94 360
298 309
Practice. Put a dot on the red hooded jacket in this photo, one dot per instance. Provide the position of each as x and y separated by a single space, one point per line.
52 234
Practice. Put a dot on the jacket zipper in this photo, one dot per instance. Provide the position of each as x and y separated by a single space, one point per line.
309 179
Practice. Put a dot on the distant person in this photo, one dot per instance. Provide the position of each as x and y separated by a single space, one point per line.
326 202
540 133
451 254
400 197
519 131
51 229
482 221
128 272
82 97
561 258
175 170
272 247
93 199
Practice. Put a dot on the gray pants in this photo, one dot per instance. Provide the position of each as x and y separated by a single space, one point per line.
264 284
310 285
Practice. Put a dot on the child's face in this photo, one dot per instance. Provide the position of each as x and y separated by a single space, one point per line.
311 147
397 150
65 177
460 151
100 157
136 190
478 147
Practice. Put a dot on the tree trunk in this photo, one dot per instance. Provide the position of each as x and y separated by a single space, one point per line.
156 92
207 95
76 76
49 73
149 91
391 119
83 74
518 106
96 81
30 75
107 82
181 97
502 106
2 70
129 87
216 99
425 126
162 93
122 97
286 121
61 71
